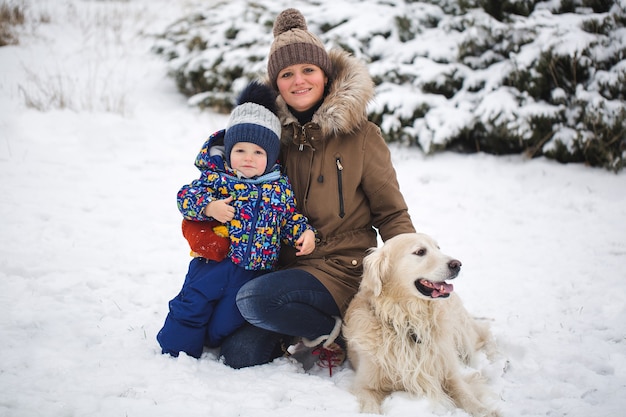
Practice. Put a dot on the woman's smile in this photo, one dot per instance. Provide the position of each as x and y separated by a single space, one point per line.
302 85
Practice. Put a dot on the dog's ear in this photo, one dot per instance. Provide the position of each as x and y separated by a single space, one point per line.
375 267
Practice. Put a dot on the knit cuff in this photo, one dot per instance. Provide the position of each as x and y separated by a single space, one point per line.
326 339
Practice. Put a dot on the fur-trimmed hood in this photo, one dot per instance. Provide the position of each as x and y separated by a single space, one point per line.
345 106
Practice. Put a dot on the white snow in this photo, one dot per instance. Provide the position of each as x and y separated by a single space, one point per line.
95 141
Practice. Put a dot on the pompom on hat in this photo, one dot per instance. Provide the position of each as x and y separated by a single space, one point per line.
294 44
254 120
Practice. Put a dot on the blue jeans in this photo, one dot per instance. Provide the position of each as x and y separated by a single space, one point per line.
278 306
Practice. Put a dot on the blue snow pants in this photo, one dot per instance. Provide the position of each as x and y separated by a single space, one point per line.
205 311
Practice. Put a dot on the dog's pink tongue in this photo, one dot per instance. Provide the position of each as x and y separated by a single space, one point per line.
442 288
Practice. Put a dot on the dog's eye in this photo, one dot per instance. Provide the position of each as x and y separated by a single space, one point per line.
420 252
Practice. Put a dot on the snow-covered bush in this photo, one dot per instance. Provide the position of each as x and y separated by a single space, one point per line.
10 15
514 76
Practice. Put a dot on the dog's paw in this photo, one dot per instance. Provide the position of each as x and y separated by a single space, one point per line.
493 413
485 412
369 404
371 409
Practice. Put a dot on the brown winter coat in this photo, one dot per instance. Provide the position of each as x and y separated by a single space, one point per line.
341 171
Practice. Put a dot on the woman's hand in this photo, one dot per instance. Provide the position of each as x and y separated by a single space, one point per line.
220 210
306 243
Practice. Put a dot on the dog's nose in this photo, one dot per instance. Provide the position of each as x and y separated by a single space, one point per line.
455 265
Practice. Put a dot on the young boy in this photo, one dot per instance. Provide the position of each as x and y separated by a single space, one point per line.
244 189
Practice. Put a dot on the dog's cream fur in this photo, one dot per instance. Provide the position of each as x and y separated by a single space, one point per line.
402 340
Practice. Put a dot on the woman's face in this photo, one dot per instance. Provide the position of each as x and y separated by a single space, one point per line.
301 85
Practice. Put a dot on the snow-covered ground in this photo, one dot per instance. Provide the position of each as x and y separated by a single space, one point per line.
91 249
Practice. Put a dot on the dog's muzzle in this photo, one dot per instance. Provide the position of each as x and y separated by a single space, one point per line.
439 289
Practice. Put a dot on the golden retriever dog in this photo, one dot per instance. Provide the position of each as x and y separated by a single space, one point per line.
406 329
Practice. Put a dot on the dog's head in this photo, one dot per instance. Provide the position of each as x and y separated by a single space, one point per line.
409 264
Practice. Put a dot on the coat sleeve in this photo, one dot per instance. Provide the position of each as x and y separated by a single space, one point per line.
388 207
293 223
192 198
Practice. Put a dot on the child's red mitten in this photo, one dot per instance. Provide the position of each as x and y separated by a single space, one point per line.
207 239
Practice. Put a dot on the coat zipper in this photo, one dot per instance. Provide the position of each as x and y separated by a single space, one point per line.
304 136
340 186
255 217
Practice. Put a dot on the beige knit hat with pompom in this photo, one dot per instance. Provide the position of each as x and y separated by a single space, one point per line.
294 44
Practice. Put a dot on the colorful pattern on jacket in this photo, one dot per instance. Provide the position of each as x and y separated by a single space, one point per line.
265 208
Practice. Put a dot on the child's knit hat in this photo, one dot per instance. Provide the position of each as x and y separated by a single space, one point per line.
294 44
254 120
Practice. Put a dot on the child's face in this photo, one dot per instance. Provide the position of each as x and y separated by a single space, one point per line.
249 159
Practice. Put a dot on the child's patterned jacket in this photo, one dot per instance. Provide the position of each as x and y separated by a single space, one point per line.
265 208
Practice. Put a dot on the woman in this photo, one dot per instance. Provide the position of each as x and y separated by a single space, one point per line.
344 182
